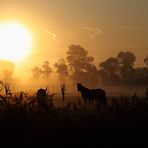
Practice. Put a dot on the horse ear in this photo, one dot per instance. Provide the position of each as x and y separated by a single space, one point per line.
46 89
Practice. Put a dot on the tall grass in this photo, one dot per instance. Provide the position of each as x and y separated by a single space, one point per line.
21 117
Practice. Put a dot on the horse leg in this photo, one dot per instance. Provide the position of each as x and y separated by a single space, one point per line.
89 101
93 102
85 101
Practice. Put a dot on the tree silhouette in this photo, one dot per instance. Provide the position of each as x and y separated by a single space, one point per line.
141 75
109 72
41 73
103 76
111 65
81 65
46 70
36 73
126 60
62 69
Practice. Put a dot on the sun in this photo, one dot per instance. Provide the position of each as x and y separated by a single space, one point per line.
15 41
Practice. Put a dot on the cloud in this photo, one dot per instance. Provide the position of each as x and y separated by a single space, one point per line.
129 27
52 35
94 32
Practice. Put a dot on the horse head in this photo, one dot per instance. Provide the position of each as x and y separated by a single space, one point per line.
41 93
79 86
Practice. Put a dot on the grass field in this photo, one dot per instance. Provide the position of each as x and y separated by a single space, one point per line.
123 119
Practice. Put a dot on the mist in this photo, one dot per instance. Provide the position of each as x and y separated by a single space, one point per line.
117 75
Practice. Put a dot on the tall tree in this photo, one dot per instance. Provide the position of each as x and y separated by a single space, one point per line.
109 71
36 73
62 69
111 65
81 65
46 70
126 60
43 72
141 75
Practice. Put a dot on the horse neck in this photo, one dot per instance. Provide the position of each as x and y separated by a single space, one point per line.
84 89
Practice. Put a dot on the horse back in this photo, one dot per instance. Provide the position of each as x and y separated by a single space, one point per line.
99 93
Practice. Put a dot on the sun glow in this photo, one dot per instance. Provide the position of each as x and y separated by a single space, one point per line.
15 41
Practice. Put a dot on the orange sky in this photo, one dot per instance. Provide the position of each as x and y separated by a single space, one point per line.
103 27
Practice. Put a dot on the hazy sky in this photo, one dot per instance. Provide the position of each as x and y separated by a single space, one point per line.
103 27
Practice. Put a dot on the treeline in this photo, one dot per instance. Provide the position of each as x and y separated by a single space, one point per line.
78 66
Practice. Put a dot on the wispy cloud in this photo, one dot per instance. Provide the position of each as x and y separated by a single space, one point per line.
52 35
129 27
94 32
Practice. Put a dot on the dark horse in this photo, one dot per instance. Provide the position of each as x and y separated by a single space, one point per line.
92 94
41 96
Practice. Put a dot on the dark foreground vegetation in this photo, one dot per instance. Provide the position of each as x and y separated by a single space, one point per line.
124 120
